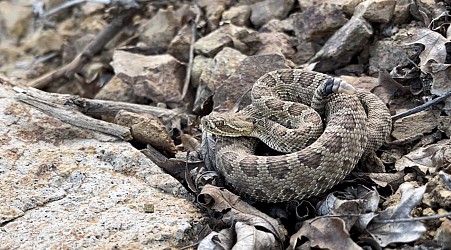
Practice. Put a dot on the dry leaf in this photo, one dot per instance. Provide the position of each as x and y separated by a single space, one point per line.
434 45
324 233
235 210
427 159
385 232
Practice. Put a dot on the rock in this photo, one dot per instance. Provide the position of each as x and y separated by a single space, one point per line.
276 43
243 39
346 42
14 19
266 10
212 43
244 77
213 10
319 22
376 11
444 233
238 15
159 78
275 25
390 52
304 52
63 187
215 73
146 129
199 65
44 41
158 32
119 91
179 46
347 6
401 13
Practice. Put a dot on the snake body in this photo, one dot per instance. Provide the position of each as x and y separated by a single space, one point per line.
356 124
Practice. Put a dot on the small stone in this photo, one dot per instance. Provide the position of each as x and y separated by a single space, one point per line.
276 43
443 234
266 10
118 91
401 13
319 22
14 19
346 42
148 208
158 32
215 73
238 15
199 65
146 73
180 45
214 10
244 77
376 11
244 39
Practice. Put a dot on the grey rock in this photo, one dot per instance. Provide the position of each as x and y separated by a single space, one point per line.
229 35
347 6
376 11
180 44
199 65
117 90
159 78
244 77
216 72
158 32
266 10
214 10
238 15
346 42
276 25
276 43
317 23
304 52
390 52
63 188
401 13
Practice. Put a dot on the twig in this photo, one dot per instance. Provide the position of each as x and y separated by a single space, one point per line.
191 51
421 107
89 51
72 116
432 217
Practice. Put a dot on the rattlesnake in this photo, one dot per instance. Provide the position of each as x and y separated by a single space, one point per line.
357 123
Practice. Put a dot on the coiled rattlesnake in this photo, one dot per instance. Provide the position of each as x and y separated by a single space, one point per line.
356 123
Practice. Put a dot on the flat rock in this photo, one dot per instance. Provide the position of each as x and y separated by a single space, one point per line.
346 42
180 44
238 15
244 77
276 43
266 10
63 187
319 22
376 11
157 32
229 35
159 77
215 73
390 52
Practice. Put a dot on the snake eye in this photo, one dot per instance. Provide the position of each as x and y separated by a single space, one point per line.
219 123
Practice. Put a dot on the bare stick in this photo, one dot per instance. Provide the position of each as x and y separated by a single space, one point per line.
88 52
191 51
71 116
421 107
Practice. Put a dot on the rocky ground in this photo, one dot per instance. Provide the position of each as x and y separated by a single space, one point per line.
102 162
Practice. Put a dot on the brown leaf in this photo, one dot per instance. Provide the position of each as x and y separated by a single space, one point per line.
434 45
236 210
324 233
385 231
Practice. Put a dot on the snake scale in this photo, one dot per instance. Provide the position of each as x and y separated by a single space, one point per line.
287 112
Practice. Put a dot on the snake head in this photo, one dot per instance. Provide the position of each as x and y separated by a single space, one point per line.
228 124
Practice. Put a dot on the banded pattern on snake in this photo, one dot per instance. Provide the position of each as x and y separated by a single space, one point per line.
287 110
